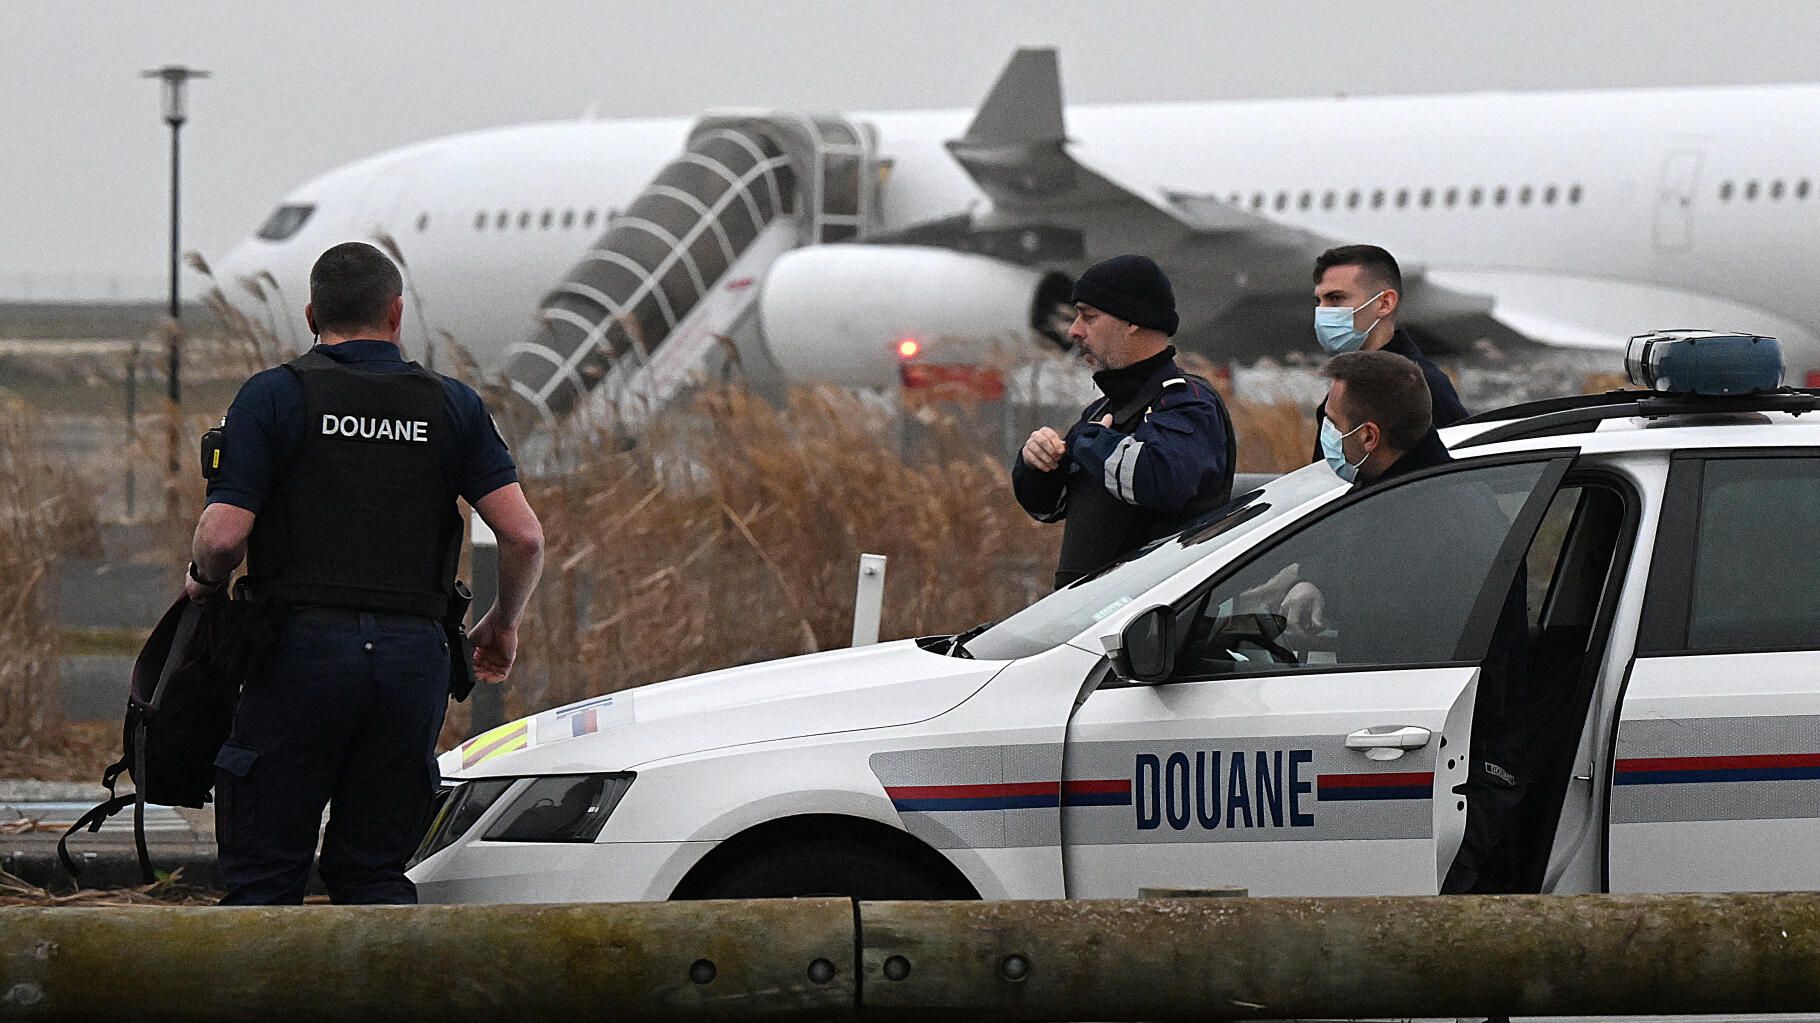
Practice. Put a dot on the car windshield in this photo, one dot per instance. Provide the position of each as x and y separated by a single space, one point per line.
1065 613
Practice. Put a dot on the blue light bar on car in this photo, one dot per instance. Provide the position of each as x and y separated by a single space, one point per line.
1704 362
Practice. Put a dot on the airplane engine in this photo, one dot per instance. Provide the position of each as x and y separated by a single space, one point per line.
847 314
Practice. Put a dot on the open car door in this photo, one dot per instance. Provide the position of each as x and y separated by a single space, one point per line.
1325 760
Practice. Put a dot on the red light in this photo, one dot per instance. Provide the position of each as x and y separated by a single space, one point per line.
1813 378
908 347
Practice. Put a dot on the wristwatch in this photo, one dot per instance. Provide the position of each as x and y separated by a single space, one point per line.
200 581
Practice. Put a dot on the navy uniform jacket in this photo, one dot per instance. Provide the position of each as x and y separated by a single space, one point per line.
1170 463
265 425
1448 409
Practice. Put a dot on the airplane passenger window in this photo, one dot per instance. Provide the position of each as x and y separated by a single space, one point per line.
1573 195
285 221
1801 189
524 219
568 219
1306 199
1428 197
1402 197
1750 190
423 222
1453 197
1282 199
1477 195
480 221
499 222
1377 198
1775 189
587 219
1524 194
549 217
1500 195
1549 194
1327 200
1725 192
1352 199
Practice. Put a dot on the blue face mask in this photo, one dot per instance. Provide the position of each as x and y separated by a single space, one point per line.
1336 455
1333 327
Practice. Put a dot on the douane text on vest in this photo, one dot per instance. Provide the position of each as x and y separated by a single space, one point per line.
365 428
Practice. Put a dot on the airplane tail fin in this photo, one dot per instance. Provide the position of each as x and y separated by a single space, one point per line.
1025 104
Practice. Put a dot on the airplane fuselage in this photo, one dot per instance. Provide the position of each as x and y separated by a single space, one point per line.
1706 191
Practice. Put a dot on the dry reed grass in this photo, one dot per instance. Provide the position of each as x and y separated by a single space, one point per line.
1273 438
167 891
733 535
45 513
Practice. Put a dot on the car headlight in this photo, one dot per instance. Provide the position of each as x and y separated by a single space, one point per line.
455 810
560 808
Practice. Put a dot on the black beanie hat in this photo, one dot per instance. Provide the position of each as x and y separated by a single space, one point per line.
1132 288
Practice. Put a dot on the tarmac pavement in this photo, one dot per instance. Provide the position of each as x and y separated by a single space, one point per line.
34 814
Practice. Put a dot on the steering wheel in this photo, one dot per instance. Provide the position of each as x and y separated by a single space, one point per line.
1262 630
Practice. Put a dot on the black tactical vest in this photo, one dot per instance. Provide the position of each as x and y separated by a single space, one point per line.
1100 528
363 517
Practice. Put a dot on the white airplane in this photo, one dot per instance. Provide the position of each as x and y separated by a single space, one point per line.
827 246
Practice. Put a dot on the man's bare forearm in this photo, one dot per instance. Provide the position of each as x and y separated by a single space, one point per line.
520 551
219 545
520 566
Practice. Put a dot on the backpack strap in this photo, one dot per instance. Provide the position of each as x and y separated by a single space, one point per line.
101 812
110 775
145 858
91 820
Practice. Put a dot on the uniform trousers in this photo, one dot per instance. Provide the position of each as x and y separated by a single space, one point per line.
347 717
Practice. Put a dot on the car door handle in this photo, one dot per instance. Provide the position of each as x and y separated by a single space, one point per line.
1388 743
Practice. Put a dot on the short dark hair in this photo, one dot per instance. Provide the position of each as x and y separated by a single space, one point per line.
352 287
1386 389
1378 264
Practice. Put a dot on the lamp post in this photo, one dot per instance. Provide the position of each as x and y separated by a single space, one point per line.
174 79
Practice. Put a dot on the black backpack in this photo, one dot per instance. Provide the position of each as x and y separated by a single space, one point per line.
178 713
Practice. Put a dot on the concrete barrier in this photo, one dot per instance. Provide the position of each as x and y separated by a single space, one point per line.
1159 959
779 960
1179 959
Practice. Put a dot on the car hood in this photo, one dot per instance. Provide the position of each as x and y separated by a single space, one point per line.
865 687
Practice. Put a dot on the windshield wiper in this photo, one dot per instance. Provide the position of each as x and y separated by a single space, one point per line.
957 647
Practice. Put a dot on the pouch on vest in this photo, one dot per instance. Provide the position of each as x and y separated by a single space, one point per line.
461 648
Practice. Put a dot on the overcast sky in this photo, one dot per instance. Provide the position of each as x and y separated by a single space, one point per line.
299 88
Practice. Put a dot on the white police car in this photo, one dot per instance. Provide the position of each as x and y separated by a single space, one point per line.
1661 550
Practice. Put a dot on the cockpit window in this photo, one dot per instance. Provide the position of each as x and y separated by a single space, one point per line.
286 221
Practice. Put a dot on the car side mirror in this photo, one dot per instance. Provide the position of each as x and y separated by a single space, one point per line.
1144 651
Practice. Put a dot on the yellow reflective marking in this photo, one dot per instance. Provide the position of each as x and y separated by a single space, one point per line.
495 742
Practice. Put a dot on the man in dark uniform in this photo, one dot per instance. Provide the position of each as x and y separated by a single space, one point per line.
1358 291
1377 429
1377 420
338 481
1152 455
